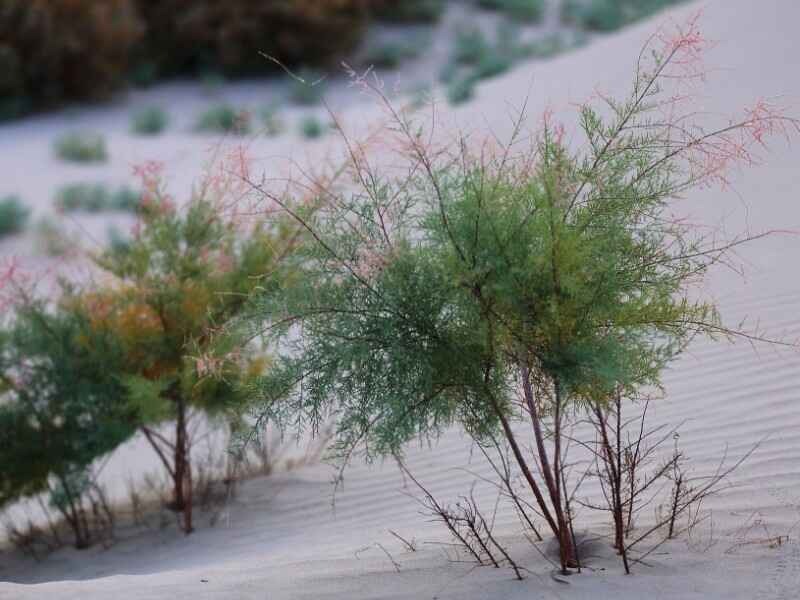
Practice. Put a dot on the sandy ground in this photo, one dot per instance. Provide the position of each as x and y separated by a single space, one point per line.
281 537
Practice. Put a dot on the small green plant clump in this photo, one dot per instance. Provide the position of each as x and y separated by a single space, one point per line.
96 197
311 127
461 90
82 147
522 10
13 216
149 121
224 118
610 15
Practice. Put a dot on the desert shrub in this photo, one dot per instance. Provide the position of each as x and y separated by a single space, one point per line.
404 11
149 121
311 127
609 15
170 289
81 146
224 118
556 271
56 50
229 36
461 90
13 216
469 46
96 197
545 47
61 408
523 10
492 64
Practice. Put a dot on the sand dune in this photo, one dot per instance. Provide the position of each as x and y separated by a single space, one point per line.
281 538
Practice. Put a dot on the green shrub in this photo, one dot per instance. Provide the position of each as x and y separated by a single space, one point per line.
62 406
13 216
230 36
461 90
81 146
224 119
311 128
493 63
149 121
546 47
56 50
524 10
609 15
96 197
408 11
470 46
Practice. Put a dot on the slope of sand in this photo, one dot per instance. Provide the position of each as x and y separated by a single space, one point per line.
281 538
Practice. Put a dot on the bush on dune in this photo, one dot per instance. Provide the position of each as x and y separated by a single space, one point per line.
61 408
81 147
13 216
609 15
555 272
182 278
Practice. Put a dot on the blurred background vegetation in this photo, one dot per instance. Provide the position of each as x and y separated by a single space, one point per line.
57 51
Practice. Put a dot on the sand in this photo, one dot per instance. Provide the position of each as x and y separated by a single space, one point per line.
282 538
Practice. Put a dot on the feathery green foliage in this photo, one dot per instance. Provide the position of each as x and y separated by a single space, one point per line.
481 278
185 275
61 406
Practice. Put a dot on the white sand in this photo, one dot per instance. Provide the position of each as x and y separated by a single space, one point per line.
281 539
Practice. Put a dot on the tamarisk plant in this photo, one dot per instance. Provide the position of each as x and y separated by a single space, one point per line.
61 409
503 289
166 296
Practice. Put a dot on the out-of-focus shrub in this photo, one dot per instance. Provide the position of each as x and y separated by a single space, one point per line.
461 90
81 146
414 11
525 10
96 197
193 35
608 15
55 50
13 216
224 119
149 121
311 128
